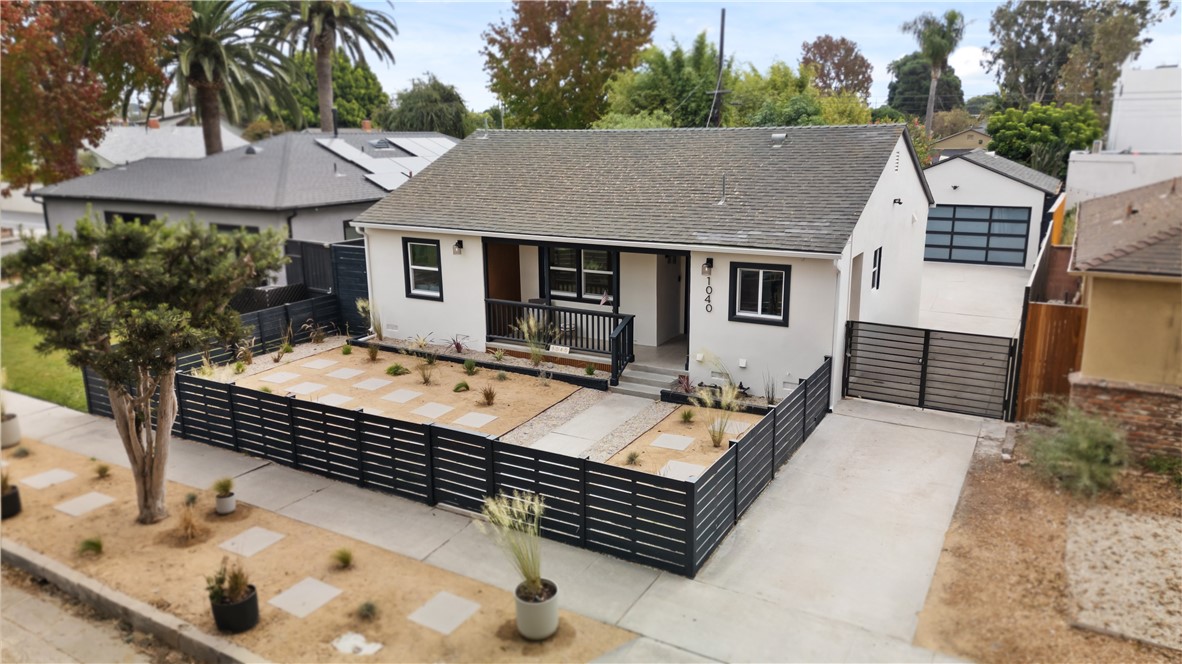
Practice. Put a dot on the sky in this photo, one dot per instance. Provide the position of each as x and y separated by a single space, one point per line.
444 38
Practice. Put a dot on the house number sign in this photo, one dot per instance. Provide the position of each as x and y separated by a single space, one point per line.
709 292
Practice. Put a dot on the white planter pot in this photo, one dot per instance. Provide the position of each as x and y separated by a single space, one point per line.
226 504
537 621
10 431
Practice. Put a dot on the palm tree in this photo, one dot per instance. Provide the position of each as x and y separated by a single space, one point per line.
221 56
938 38
320 25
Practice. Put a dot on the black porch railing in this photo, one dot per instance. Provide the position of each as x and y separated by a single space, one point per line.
578 329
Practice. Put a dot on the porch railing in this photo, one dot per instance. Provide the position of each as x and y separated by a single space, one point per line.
579 329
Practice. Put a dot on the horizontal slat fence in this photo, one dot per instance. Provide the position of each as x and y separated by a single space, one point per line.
670 524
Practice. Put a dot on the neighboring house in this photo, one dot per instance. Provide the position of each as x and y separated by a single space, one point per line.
982 241
1128 250
744 250
1144 143
959 143
306 185
123 145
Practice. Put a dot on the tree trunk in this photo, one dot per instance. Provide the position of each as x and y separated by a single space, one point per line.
147 447
324 50
927 124
211 117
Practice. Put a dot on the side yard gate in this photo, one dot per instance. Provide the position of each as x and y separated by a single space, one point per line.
960 373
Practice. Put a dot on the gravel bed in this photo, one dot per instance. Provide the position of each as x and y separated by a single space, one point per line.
448 349
263 361
554 417
623 435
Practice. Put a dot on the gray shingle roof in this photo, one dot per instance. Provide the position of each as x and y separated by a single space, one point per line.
658 185
121 145
287 171
1010 169
1133 232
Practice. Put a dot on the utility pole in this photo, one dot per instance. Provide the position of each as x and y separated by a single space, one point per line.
715 117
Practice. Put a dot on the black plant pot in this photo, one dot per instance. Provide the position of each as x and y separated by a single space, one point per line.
12 502
239 616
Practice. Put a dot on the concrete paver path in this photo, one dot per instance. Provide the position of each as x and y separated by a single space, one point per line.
39 630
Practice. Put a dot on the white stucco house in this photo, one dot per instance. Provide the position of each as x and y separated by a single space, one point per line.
682 249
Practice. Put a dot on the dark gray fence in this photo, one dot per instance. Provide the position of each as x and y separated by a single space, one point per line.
670 524
310 263
352 282
952 371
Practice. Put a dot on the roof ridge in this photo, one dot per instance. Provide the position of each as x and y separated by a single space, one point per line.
880 125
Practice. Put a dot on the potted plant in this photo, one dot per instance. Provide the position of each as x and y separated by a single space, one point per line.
10 426
226 502
10 494
515 523
234 601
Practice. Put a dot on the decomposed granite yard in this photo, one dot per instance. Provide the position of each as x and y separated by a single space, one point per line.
674 440
151 564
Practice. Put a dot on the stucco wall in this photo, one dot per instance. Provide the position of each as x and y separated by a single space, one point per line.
1134 331
965 141
1093 175
460 312
1147 111
980 186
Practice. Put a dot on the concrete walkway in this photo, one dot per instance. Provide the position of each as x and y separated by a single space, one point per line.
577 436
832 563
36 629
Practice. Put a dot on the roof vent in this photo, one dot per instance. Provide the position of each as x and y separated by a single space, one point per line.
722 201
253 150
481 134
778 140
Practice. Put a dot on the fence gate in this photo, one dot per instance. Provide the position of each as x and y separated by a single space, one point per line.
952 371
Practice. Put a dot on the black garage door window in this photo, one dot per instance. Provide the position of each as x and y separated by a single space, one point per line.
977 234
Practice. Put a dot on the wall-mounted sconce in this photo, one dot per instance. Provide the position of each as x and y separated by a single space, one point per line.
458 247
897 201
708 267
955 187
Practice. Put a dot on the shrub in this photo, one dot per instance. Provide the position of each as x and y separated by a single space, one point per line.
727 401
457 343
346 350
1170 466
239 367
426 372
498 354
397 370
228 586
687 416
470 367
1081 451
430 359
461 386
489 395
315 331
515 522
633 458
367 611
372 353
91 546
21 452
245 350
589 369
187 527
190 499
684 384
267 389
343 558
287 348
502 376
102 471
224 486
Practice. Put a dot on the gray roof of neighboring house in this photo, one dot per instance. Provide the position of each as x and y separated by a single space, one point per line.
1010 169
1138 231
655 185
122 145
286 171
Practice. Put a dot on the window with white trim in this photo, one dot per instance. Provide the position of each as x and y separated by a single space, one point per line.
876 270
759 293
581 274
424 274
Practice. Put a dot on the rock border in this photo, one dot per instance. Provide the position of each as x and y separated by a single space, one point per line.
166 627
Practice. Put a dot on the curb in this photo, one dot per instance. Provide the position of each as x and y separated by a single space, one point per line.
173 631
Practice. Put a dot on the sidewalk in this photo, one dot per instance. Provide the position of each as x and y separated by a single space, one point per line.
775 590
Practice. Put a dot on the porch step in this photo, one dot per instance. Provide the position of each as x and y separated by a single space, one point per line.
637 390
633 367
646 378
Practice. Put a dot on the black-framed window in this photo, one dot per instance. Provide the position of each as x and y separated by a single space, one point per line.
876 270
581 274
137 217
423 269
759 293
977 234
230 228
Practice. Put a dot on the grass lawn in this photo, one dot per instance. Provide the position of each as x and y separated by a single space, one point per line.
29 372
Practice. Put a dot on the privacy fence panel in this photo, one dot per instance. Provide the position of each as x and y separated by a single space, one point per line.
395 456
352 281
714 507
557 478
756 462
326 440
638 516
263 425
207 411
817 396
790 423
462 469
98 402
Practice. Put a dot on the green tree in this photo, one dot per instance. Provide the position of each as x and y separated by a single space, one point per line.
428 105
838 66
759 99
844 109
947 123
356 91
159 289
221 56
677 83
1091 70
657 119
938 38
800 110
885 113
550 62
983 104
909 91
324 26
1016 132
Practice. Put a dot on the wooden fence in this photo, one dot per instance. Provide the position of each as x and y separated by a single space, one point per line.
670 524
1052 346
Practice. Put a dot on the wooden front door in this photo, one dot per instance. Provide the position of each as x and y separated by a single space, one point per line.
502 271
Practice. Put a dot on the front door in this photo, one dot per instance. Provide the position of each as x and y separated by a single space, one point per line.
503 271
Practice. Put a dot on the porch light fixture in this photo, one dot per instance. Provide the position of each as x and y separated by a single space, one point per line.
707 267
458 247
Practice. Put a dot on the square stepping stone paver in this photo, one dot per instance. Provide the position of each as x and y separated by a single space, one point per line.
672 441
280 377
305 388
318 364
474 420
334 399
345 374
85 503
48 478
444 612
305 597
372 411
371 384
402 396
251 541
680 470
733 428
432 410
